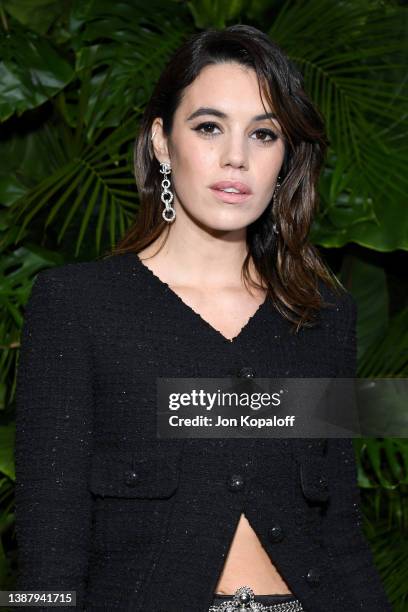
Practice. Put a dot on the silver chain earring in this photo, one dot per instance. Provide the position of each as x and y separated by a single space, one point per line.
168 214
275 193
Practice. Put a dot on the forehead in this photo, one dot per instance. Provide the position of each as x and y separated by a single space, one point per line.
230 87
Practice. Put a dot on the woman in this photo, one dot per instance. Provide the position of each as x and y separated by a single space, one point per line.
227 162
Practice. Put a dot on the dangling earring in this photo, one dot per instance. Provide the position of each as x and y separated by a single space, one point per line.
168 214
275 193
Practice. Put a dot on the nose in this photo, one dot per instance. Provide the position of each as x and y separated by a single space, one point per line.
235 152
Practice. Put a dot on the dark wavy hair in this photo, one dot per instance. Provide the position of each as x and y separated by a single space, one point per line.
288 264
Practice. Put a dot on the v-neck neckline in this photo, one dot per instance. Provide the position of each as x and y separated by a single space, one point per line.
196 315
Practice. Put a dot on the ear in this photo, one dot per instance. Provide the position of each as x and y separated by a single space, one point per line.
159 141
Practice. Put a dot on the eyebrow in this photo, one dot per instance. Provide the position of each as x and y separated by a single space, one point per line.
205 110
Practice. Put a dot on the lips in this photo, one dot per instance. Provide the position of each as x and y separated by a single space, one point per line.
241 187
230 197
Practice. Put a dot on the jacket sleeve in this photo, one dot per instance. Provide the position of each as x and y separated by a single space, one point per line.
54 403
351 553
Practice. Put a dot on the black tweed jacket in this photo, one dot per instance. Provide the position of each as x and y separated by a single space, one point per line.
96 336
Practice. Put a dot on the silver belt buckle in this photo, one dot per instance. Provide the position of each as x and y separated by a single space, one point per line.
243 601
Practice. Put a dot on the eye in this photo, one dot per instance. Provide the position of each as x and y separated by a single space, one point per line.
206 129
266 133
205 126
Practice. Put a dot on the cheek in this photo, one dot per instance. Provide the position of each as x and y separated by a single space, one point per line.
196 156
266 169
195 165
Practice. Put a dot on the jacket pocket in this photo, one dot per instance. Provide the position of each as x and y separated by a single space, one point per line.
313 476
150 473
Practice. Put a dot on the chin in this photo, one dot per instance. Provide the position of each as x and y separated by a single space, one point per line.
223 224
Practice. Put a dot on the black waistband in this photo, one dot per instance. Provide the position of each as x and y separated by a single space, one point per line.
264 599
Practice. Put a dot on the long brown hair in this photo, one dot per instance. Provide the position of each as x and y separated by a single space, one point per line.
288 264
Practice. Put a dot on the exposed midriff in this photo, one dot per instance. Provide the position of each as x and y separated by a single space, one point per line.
248 563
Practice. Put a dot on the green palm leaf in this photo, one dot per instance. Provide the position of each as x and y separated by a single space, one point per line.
31 71
93 184
352 56
137 40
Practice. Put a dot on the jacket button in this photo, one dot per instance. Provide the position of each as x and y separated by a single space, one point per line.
276 533
131 478
246 373
235 482
323 484
313 576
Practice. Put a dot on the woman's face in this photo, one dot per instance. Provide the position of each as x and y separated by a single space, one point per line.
220 133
